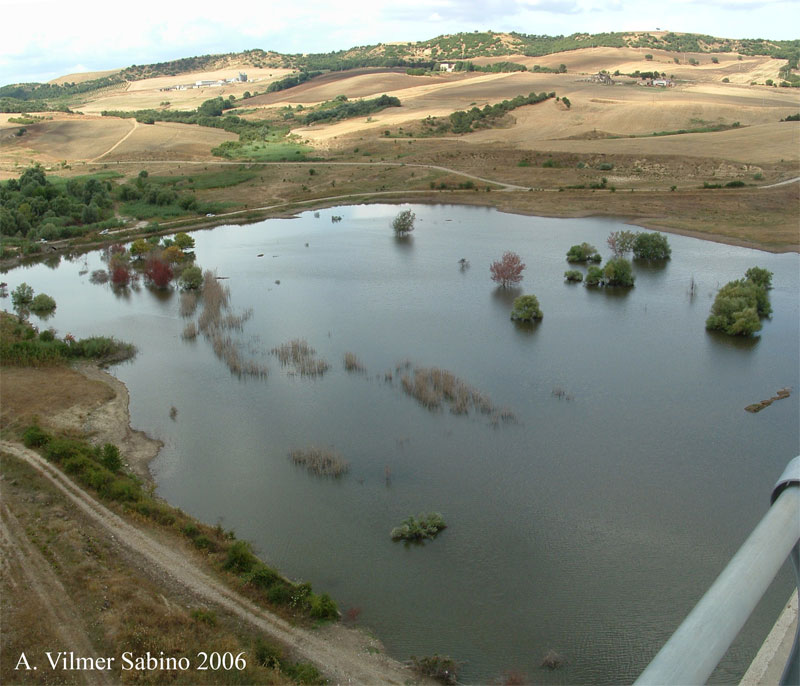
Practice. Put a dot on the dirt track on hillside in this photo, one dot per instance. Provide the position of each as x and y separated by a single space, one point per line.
340 653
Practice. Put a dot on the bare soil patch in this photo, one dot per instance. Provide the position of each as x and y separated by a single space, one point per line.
86 399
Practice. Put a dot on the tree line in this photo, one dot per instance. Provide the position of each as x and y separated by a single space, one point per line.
463 121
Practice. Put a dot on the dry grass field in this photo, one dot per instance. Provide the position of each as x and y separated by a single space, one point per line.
149 93
605 125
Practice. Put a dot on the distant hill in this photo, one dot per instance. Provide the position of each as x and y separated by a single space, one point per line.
60 93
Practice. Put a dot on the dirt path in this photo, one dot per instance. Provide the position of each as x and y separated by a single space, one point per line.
24 561
340 653
119 142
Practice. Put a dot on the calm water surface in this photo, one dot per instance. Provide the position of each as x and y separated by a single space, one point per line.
590 527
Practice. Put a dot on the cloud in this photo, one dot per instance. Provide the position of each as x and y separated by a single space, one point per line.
59 35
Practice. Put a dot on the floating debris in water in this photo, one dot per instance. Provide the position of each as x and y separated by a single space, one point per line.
780 395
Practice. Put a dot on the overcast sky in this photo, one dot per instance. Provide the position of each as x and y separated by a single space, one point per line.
42 40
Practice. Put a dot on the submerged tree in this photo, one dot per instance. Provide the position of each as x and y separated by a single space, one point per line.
740 305
403 223
526 309
508 270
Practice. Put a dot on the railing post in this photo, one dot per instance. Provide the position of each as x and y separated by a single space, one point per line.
791 477
700 642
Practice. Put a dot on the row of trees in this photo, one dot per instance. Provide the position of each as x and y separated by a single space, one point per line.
357 108
462 122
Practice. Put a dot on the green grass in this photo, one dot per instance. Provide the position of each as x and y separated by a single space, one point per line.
263 151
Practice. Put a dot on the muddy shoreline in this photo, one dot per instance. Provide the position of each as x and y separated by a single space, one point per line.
110 422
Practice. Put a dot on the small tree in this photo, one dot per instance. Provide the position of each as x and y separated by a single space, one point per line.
159 272
618 272
184 241
621 242
42 304
566 101
508 270
651 246
21 298
526 309
403 223
120 276
585 252
192 278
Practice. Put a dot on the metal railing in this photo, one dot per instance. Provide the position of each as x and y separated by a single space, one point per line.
700 642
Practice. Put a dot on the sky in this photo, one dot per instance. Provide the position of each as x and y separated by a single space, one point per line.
41 40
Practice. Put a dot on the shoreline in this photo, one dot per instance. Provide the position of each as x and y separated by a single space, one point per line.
503 201
110 422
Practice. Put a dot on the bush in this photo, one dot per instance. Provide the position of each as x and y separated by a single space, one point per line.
323 607
42 304
585 252
418 529
34 436
440 667
240 557
594 276
573 275
110 457
618 272
739 307
191 278
651 246
262 576
526 309
279 594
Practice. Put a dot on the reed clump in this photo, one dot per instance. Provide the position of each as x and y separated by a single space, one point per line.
188 303
300 357
215 321
320 461
432 387
353 364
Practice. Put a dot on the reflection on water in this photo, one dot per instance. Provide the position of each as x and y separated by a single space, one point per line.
590 526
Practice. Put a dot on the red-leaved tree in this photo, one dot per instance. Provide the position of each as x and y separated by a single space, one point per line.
159 272
120 275
507 271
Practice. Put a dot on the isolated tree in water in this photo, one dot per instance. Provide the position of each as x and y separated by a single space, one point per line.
508 270
403 223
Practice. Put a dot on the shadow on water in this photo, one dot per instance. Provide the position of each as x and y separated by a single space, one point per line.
506 296
163 295
527 328
745 343
404 243
53 261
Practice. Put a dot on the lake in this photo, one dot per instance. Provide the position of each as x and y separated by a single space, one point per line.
590 526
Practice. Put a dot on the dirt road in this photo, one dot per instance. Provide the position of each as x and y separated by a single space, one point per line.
345 656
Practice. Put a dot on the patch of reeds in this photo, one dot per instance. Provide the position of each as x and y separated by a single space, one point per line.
353 364
300 357
552 660
320 461
99 276
188 303
432 387
214 322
